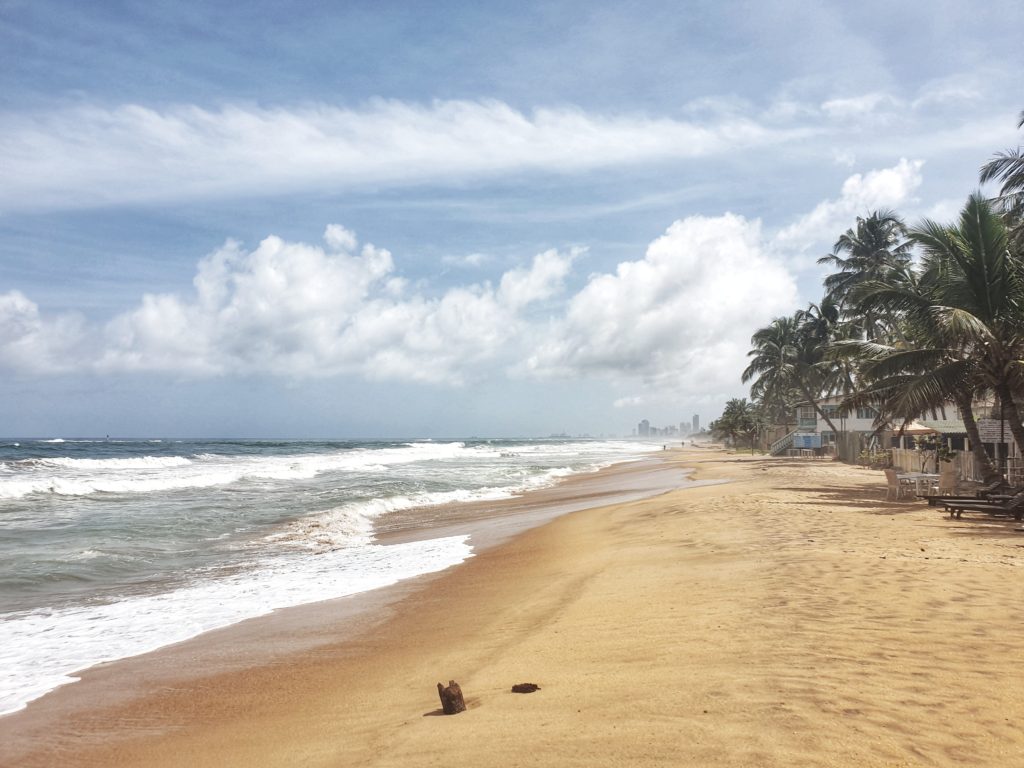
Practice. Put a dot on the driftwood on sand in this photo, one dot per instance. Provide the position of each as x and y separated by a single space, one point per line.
451 698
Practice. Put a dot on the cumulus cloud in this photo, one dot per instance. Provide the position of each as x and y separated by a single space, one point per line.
31 344
89 156
677 318
294 310
860 194
682 315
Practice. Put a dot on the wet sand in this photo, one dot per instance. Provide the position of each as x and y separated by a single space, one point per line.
791 617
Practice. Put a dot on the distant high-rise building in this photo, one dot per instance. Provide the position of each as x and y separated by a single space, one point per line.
644 428
696 424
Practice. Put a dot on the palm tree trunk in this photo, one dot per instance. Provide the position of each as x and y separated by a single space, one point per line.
817 408
989 472
1011 414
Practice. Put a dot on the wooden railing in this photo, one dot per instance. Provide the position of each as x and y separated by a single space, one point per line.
782 444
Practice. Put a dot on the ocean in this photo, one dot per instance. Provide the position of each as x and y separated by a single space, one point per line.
113 548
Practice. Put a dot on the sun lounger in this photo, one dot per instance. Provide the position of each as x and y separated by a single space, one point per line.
995 490
1012 506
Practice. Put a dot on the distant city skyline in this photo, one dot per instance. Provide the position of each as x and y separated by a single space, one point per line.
645 429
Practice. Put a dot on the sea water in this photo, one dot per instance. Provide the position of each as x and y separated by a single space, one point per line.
112 548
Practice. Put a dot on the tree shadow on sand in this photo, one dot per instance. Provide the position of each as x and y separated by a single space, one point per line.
855 496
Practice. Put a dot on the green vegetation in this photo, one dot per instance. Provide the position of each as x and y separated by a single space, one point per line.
912 318
740 420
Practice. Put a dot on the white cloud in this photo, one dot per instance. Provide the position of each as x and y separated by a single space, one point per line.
629 402
677 319
542 280
91 156
468 261
859 106
945 211
959 89
294 310
340 239
680 316
844 157
860 194
31 344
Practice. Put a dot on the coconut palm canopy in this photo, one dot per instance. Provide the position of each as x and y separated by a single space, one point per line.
912 317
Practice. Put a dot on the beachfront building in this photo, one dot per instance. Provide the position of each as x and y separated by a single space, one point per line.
857 427
858 430
813 432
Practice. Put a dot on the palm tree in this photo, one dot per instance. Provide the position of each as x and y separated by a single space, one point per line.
963 326
817 376
1008 167
739 418
772 370
978 299
876 249
903 382
789 357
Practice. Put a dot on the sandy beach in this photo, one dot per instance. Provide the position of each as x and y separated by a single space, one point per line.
789 617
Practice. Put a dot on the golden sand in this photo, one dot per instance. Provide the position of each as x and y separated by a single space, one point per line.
791 617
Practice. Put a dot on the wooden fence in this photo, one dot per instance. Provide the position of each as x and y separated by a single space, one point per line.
911 460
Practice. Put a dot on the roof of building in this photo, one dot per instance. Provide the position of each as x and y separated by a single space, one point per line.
945 426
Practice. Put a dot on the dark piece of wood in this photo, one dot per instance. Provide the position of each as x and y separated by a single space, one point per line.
525 688
451 698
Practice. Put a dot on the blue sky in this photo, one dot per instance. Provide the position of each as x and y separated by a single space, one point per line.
410 219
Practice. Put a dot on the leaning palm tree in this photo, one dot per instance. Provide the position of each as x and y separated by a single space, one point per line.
875 249
771 368
788 357
905 381
819 327
1008 168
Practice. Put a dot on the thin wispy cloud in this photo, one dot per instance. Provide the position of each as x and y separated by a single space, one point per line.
90 156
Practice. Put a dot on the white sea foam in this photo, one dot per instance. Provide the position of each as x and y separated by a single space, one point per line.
42 650
315 556
135 462
152 474
352 524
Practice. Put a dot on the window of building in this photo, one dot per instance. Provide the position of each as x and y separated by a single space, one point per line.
866 413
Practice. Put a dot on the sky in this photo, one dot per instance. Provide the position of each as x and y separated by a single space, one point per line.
407 219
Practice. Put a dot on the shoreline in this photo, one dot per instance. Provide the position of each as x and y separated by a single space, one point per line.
261 640
788 617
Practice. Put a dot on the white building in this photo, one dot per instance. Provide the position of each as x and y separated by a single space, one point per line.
814 432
